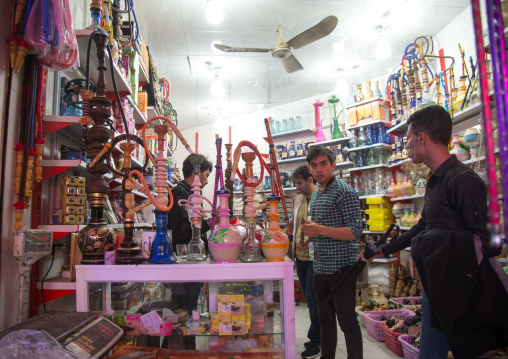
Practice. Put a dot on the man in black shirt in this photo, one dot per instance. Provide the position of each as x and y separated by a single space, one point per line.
178 222
455 200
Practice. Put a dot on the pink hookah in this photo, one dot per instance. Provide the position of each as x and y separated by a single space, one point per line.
318 121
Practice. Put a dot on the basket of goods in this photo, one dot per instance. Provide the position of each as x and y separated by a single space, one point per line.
408 302
398 325
375 318
410 346
374 306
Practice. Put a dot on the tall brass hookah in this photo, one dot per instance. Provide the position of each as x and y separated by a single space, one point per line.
96 237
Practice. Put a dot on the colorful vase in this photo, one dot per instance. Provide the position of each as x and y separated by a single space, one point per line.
409 187
399 191
471 137
457 150
398 212
275 242
225 242
391 189
420 186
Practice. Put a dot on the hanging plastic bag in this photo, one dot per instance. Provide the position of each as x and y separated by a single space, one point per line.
49 30
28 344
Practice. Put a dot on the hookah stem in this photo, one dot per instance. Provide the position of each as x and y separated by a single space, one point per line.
468 87
277 180
464 66
502 120
487 116
218 174
116 91
475 78
26 125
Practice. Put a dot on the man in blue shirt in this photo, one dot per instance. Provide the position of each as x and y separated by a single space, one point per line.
334 229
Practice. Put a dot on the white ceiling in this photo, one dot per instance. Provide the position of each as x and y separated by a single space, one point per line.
180 38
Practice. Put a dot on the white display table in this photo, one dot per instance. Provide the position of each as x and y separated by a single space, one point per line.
206 272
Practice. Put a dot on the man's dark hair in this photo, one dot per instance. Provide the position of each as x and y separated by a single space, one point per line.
302 172
188 168
318 151
434 121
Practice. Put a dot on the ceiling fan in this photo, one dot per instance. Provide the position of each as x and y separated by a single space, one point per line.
283 50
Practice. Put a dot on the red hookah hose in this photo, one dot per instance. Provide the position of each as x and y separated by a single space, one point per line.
277 179
253 148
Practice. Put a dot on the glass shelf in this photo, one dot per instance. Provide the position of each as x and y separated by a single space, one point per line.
356 149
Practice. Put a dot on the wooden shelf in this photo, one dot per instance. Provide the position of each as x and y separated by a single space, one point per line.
330 142
301 131
292 160
356 149
364 102
366 168
371 123
398 129
372 196
400 163
398 199
124 87
138 116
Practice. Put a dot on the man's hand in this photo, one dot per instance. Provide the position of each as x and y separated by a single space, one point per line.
361 257
301 245
310 229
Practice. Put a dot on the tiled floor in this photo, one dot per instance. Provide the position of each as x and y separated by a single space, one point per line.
371 347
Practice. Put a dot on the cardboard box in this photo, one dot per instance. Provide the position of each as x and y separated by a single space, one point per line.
360 113
142 102
367 109
378 111
353 118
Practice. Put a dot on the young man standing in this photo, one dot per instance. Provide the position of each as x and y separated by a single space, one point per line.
334 229
179 224
455 201
304 256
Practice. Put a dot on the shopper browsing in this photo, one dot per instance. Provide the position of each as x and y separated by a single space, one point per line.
304 256
463 295
334 230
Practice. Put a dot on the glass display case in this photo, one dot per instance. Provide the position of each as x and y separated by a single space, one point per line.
245 308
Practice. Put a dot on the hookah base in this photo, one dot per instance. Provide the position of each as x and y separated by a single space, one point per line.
95 259
251 260
129 259
171 260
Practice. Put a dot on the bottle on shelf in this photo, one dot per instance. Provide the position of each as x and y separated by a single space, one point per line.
368 139
339 157
393 157
361 162
292 150
291 124
353 142
377 91
299 149
359 96
362 141
284 154
369 93
404 155
298 124
351 97
284 125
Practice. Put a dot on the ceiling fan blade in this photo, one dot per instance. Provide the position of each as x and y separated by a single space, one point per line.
324 28
291 64
238 49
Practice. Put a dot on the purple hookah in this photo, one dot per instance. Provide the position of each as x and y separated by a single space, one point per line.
497 42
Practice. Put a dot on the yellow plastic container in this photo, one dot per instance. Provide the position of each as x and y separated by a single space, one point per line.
378 211
376 200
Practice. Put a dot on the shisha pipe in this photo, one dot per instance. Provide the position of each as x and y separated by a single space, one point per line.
128 252
500 83
424 55
320 136
161 251
196 251
464 66
225 242
335 131
441 77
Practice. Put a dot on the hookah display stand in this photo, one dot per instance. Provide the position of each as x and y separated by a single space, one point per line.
206 272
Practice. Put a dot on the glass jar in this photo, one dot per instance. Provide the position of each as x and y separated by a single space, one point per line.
298 124
291 124
353 141
362 140
284 125
361 161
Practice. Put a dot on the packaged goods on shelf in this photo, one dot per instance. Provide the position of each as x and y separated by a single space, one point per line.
72 201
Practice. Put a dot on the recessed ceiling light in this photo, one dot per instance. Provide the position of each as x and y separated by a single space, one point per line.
214 12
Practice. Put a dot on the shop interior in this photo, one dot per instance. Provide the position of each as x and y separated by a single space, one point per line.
104 100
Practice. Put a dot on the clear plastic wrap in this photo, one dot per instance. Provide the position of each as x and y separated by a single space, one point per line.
49 30
28 344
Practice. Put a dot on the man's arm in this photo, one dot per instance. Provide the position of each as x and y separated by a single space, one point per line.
349 209
404 240
469 195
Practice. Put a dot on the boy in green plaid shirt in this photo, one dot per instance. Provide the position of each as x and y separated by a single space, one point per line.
335 229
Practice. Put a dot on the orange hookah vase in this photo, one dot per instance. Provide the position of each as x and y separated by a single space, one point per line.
275 242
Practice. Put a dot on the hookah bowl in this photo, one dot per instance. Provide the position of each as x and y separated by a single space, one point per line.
225 242
275 242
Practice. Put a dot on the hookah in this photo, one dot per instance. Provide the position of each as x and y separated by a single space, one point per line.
128 252
72 89
497 41
161 251
196 247
274 242
320 136
335 130
225 242
400 112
